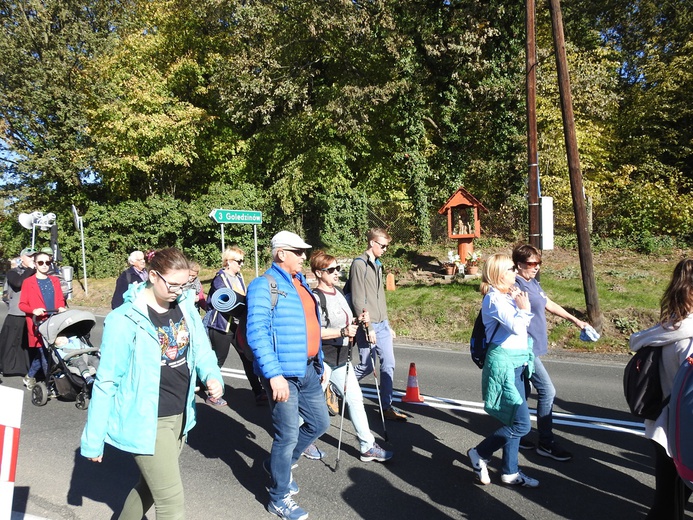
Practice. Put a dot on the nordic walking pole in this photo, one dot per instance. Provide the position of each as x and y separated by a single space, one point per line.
377 386
344 400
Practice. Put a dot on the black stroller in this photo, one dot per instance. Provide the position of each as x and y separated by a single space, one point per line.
62 379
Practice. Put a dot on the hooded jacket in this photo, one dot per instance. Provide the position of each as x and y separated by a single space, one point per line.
125 398
677 344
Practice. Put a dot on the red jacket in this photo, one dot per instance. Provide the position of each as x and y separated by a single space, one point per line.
31 299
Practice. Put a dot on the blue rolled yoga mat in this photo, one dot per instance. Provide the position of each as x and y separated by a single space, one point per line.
224 300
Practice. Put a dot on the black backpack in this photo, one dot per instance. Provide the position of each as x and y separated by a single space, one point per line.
478 346
323 303
642 386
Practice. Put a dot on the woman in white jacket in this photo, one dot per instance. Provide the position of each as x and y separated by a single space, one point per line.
674 333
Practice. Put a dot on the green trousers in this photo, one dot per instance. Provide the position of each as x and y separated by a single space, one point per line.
160 483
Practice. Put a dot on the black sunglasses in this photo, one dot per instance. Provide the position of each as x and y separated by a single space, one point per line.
43 262
331 270
297 252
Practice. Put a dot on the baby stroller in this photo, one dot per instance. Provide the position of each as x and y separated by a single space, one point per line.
62 379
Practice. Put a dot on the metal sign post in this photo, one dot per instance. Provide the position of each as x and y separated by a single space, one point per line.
79 224
238 216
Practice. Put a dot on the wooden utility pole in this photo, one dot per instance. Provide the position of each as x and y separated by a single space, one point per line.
532 154
576 188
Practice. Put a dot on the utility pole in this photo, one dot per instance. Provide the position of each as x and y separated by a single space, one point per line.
532 154
576 188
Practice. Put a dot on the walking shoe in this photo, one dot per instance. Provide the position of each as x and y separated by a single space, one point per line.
376 453
214 401
479 466
287 508
554 451
394 414
29 382
526 444
519 479
331 400
293 487
312 452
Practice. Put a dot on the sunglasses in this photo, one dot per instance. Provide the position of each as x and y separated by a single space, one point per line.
382 246
331 270
43 262
532 264
174 288
297 252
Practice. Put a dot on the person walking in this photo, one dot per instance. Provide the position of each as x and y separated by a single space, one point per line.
505 311
674 334
14 344
338 328
527 260
40 293
143 400
368 293
227 328
283 332
135 273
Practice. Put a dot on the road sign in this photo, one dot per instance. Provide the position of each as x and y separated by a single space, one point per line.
236 216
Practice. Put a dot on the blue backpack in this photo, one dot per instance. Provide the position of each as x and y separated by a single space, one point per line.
680 428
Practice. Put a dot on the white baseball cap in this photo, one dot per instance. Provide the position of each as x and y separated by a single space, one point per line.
288 240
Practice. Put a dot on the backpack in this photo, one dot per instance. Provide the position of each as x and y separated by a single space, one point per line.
323 303
240 338
478 346
681 422
347 286
641 384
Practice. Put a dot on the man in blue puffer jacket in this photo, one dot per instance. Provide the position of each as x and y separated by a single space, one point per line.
285 340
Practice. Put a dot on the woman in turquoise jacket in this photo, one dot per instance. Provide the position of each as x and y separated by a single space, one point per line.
506 314
143 398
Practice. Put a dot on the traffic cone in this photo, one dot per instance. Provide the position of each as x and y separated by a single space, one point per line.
412 395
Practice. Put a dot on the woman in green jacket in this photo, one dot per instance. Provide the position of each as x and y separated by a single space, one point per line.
143 398
506 314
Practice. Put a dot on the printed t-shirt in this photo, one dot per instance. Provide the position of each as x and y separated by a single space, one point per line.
174 339
312 323
47 292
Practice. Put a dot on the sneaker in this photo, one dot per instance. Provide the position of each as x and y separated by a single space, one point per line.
214 401
526 444
479 466
286 508
376 453
312 452
293 487
394 414
29 382
331 400
519 479
554 451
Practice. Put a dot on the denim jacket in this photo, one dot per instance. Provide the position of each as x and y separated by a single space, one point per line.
125 398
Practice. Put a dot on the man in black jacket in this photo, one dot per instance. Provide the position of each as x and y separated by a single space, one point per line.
133 274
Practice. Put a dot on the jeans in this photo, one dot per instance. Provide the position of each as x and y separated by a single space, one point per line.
160 482
306 401
383 347
671 494
546 393
354 402
41 362
508 437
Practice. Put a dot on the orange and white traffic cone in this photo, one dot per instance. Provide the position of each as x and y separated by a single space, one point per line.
412 395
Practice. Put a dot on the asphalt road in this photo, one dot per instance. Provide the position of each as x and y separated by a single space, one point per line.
429 477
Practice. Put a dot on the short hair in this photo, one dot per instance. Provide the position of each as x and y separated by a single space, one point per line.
494 270
524 252
131 258
374 233
230 253
320 260
167 260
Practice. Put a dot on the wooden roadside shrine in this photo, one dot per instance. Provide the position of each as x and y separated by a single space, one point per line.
462 210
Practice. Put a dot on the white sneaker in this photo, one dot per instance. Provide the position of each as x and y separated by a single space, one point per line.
479 467
519 479
29 382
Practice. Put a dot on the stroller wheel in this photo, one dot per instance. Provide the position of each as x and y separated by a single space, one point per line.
82 401
39 394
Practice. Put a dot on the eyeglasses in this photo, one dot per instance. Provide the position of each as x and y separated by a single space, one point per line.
239 262
382 246
174 288
532 264
43 262
297 252
331 270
